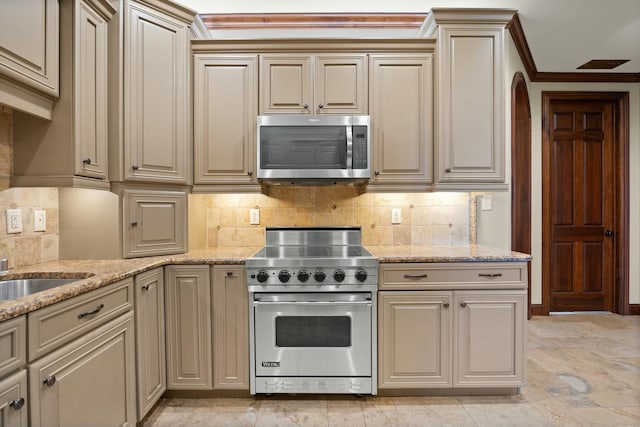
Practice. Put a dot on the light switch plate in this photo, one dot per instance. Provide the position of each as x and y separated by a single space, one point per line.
254 216
39 220
14 221
486 202
396 216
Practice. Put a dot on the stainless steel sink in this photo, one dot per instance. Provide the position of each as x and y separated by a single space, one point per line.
17 288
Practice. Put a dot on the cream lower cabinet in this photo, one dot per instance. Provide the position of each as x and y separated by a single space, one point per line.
414 339
401 97
89 382
188 324
230 303
150 339
452 325
13 400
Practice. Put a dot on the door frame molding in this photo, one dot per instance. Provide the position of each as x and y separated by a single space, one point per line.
521 212
621 192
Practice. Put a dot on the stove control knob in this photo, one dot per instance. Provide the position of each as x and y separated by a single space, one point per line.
339 275
262 276
284 276
319 276
303 276
361 275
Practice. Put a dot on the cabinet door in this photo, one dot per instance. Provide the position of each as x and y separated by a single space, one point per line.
188 322
150 339
414 339
401 119
225 102
156 101
230 301
90 107
341 84
471 143
155 223
13 400
13 345
29 48
490 331
90 382
286 84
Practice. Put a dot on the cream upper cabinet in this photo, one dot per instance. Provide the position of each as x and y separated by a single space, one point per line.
470 148
230 304
225 110
151 368
89 382
401 94
72 149
188 322
154 222
156 85
29 43
295 83
414 339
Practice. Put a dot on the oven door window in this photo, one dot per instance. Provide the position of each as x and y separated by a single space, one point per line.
313 331
303 147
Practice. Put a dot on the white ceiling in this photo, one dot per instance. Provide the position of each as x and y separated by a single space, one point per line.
562 34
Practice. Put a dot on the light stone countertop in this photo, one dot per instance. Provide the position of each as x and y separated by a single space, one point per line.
98 273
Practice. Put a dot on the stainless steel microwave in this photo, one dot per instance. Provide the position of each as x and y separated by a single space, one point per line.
297 147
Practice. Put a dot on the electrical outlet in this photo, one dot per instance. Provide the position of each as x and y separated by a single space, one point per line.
254 216
39 220
14 221
396 216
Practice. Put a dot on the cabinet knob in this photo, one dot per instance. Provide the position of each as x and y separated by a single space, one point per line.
135 167
305 106
134 223
608 233
49 381
445 305
229 273
250 173
321 105
463 304
87 161
146 287
448 170
376 173
17 404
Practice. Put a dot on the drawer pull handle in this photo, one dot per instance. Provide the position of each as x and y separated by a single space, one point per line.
490 275
229 273
89 313
445 305
415 276
49 381
87 161
17 404
146 287
463 304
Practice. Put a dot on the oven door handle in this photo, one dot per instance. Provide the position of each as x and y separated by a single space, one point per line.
255 303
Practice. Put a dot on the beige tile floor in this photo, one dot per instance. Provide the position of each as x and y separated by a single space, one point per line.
582 370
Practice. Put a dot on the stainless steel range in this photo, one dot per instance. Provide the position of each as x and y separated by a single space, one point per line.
312 305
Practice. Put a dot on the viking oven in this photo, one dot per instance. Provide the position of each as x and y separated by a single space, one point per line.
312 305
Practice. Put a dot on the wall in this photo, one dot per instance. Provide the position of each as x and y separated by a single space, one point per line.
427 218
488 234
28 247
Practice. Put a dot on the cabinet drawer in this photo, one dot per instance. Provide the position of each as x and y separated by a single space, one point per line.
453 276
13 345
53 326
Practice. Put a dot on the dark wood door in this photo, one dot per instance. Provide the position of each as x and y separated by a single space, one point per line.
579 200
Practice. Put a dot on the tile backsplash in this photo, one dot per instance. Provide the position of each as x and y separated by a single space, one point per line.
427 218
28 247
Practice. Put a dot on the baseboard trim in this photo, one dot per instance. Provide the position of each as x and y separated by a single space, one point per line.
536 310
634 309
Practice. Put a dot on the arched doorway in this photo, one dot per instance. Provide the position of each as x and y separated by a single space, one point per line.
521 171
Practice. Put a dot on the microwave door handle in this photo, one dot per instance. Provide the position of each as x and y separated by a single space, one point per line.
349 147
